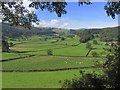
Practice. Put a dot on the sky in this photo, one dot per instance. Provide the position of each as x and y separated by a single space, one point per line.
77 17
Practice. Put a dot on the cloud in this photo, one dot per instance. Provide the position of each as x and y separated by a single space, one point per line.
42 23
53 23
26 4
65 25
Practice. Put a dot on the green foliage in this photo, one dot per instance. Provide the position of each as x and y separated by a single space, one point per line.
83 82
95 42
21 32
88 46
5 46
49 52
94 54
57 7
88 2
112 8
112 68
11 44
109 34
20 17
109 80
85 36
62 38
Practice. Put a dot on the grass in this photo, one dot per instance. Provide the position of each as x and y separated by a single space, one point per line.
98 47
36 46
40 79
11 55
49 62
79 50
39 47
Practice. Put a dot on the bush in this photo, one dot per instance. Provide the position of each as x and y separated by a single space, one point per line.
11 44
86 81
94 54
88 46
95 42
62 39
49 52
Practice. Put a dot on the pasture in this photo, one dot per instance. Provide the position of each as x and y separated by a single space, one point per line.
31 54
40 79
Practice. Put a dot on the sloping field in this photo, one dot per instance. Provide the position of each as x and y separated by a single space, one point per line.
49 62
40 79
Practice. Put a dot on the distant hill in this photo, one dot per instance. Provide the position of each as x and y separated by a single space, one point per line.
17 31
109 34
105 34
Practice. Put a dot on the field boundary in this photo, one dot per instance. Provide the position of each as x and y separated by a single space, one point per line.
88 52
16 58
7 60
50 70
54 48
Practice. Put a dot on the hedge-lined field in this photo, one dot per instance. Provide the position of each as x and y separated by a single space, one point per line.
50 62
6 56
40 79
32 54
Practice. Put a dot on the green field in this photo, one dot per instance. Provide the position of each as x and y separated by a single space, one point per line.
6 56
40 79
69 53
49 62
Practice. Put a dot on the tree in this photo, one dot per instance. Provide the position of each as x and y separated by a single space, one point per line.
95 42
11 44
94 54
16 14
109 80
22 17
112 8
88 46
5 46
85 35
112 67
49 52
62 38
85 81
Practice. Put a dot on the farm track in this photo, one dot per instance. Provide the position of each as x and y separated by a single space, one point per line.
50 70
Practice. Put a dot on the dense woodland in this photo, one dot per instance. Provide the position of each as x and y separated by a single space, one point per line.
105 34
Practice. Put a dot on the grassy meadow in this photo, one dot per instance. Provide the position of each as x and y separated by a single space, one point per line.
40 79
31 54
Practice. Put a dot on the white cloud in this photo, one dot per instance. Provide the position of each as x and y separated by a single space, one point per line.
26 4
53 23
65 25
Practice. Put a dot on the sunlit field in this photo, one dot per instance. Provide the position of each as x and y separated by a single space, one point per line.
69 56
